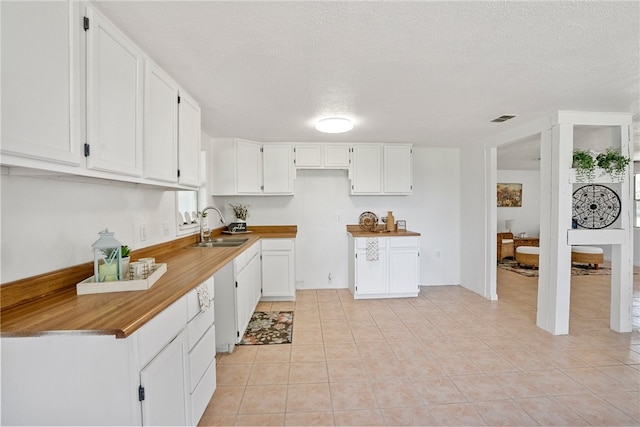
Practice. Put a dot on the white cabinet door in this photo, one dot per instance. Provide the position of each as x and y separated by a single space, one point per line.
308 156
165 386
247 294
277 169
278 276
41 80
160 125
366 169
336 156
371 275
398 174
114 99
248 167
189 141
404 268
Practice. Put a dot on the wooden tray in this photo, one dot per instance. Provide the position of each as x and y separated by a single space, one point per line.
88 286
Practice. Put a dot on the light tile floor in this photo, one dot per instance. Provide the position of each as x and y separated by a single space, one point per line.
448 357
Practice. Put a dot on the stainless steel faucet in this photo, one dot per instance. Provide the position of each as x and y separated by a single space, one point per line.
222 221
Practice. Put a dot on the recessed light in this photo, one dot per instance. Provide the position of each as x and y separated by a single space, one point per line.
503 118
334 125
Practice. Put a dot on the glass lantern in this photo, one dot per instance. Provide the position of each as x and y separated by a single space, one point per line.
107 258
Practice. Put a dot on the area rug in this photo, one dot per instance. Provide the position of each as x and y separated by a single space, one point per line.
269 327
576 269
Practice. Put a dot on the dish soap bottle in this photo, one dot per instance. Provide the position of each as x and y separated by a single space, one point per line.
391 222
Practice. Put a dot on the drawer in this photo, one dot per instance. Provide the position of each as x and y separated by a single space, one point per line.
158 332
277 245
202 394
201 356
199 325
193 303
404 242
361 242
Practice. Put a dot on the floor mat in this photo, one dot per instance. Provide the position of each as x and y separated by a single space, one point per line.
576 269
269 327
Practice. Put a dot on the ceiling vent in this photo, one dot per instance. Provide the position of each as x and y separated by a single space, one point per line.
502 118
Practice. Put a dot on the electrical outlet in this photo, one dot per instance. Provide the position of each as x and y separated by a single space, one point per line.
165 229
339 217
143 232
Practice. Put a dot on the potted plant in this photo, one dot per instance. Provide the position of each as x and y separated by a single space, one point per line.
241 213
614 163
584 164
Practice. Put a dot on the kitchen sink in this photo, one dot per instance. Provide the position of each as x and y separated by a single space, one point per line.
220 243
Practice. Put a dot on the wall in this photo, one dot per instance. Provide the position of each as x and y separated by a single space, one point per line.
48 224
636 231
321 195
527 217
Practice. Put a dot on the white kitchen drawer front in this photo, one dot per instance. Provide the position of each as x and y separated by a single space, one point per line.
277 245
201 356
199 325
153 336
202 394
361 242
404 242
193 302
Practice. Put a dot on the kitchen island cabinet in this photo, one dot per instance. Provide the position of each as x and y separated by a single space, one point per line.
383 265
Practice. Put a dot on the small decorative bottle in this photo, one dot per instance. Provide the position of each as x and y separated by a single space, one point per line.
391 222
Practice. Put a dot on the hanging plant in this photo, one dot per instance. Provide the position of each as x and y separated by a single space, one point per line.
614 163
585 165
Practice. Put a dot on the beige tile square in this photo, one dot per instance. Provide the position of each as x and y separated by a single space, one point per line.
412 416
231 374
594 380
210 419
264 306
479 387
627 376
375 350
383 369
263 399
365 417
337 336
549 412
260 420
308 372
341 352
332 314
400 334
283 306
346 370
269 373
627 402
420 368
308 398
396 394
519 385
275 353
307 337
309 419
595 410
438 391
503 412
307 353
352 396
457 364
226 400
555 383
457 414
242 354
368 334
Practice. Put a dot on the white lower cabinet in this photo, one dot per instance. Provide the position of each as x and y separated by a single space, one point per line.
393 270
238 287
278 270
163 374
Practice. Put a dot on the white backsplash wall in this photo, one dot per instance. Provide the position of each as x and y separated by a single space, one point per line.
321 195
527 217
49 224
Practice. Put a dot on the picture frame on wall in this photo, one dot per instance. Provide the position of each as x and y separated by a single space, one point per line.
509 195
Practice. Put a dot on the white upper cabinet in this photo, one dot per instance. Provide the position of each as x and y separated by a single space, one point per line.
398 169
160 125
41 86
322 156
366 169
382 169
114 99
278 172
246 167
189 141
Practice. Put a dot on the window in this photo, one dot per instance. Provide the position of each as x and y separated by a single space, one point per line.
637 199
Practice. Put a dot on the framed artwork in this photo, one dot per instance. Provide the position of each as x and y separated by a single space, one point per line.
509 195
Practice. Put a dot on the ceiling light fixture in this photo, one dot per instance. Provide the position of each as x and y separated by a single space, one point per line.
503 118
334 125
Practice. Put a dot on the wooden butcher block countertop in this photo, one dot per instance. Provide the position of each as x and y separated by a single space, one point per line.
356 231
47 304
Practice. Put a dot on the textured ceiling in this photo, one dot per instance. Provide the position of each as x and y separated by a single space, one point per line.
430 73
